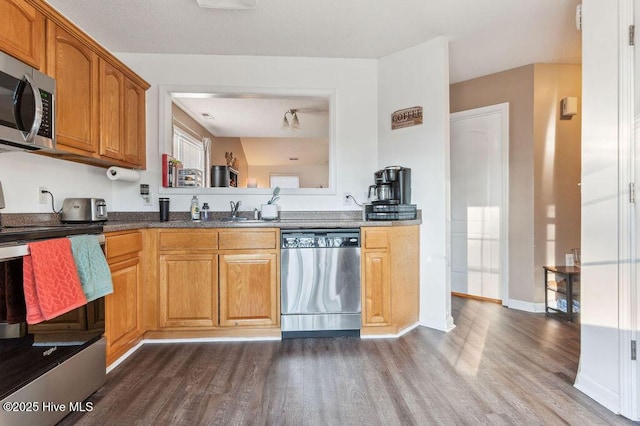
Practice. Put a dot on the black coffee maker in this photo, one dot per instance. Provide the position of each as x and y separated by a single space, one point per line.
392 186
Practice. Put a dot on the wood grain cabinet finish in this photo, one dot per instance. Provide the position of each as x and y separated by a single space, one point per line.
390 278
111 111
210 280
188 279
188 296
76 70
248 289
100 103
22 32
123 308
376 305
134 122
122 117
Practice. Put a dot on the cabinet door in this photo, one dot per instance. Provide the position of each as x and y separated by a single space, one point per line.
134 124
248 290
376 304
22 32
75 68
123 307
111 111
188 291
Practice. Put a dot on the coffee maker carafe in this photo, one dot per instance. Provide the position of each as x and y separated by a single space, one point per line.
392 186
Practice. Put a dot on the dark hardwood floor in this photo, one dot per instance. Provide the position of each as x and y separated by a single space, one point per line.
498 366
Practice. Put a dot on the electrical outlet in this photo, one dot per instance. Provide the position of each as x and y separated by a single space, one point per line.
42 196
347 199
146 200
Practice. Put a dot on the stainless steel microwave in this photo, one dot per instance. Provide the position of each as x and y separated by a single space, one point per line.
27 107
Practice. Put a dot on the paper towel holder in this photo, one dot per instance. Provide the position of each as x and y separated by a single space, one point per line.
115 173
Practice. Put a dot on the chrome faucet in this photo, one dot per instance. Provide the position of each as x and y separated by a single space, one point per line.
234 208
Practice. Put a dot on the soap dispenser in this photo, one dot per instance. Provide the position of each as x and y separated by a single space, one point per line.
195 208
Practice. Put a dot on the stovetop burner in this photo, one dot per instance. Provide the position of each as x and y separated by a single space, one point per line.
17 234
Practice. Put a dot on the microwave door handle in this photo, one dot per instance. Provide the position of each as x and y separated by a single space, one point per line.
37 119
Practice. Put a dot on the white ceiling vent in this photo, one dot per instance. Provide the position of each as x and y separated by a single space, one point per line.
227 4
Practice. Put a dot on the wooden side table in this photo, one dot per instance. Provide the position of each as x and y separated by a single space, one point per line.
571 275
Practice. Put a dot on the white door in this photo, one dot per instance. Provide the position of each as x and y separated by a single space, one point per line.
479 188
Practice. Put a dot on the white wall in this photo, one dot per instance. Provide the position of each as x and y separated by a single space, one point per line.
22 173
419 76
598 374
355 85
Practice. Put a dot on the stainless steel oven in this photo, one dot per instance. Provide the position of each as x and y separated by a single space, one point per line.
58 363
320 282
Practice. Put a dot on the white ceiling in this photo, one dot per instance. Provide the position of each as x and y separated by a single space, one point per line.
485 36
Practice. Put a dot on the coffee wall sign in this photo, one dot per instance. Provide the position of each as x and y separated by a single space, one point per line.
406 117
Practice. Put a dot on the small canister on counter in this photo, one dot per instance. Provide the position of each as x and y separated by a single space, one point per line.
164 209
204 212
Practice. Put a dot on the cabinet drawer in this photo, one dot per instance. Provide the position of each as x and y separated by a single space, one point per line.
186 239
248 239
375 238
123 244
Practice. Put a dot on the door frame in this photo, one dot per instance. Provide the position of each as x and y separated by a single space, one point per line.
629 215
503 111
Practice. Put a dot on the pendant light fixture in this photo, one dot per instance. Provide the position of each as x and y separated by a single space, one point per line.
291 123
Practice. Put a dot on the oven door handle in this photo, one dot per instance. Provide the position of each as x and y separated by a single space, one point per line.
21 250
13 252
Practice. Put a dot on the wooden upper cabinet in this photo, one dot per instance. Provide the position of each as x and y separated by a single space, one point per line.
122 117
22 32
75 68
134 124
111 111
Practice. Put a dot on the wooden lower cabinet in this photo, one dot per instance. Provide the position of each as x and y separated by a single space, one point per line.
249 289
188 296
390 278
124 307
211 282
376 306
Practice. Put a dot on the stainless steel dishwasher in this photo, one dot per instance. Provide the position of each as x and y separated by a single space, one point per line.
320 282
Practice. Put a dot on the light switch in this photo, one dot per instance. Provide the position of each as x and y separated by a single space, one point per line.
569 106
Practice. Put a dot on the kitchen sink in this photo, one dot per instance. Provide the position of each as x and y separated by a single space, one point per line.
241 219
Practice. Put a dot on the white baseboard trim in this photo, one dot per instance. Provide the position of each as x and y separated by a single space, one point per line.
211 340
126 355
391 336
598 393
438 324
526 306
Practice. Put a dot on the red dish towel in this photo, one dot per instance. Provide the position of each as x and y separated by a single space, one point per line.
51 283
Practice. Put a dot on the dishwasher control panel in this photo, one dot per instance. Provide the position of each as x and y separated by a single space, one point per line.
320 238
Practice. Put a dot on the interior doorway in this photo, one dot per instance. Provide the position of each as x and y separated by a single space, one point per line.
479 162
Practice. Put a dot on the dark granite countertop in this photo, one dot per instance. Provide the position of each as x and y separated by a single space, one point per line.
124 221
